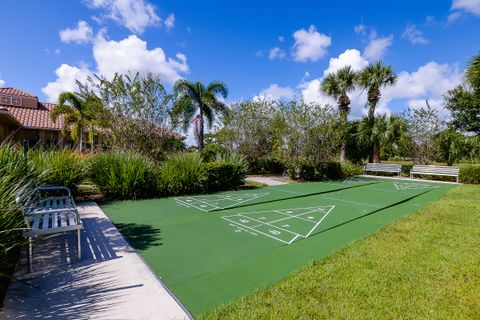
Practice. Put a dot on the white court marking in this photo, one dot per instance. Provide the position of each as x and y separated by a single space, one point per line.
260 224
213 202
412 186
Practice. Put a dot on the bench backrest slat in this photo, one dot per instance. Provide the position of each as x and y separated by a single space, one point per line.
435 169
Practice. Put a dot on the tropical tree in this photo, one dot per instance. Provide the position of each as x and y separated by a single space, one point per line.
463 101
195 103
422 126
337 85
374 78
78 114
381 133
472 73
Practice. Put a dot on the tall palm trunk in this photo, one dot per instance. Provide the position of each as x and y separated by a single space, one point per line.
373 98
92 137
200 131
344 108
376 153
343 145
80 145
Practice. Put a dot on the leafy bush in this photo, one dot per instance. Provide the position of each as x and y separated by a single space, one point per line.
470 173
59 167
323 171
271 165
182 173
211 151
226 173
124 175
350 169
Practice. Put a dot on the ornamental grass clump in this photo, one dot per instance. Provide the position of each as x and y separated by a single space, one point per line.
124 175
63 167
16 176
182 173
226 172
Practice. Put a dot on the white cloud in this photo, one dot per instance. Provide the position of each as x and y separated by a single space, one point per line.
350 57
469 6
360 28
135 15
275 92
128 55
132 54
2 83
412 34
281 38
66 76
310 90
81 34
276 53
170 21
310 44
431 80
377 47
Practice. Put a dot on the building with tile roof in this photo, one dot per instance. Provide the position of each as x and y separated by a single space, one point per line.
24 118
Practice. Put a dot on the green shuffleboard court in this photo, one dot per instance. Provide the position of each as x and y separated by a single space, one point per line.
212 249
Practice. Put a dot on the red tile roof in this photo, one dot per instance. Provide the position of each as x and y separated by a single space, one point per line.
36 118
16 92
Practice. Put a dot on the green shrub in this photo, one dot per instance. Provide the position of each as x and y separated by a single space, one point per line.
182 173
211 151
470 173
271 165
406 168
323 171
350 169
59 167
124 175
226 173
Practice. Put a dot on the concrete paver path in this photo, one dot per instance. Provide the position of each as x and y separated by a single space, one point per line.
270 181
111 282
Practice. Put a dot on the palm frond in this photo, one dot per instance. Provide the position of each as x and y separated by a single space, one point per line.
218 87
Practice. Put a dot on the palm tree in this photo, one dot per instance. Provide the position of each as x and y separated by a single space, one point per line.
373 78
196 103
76 114
383 131
472 72
337 85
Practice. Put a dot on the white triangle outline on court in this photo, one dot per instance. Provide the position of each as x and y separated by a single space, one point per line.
236 199
297 235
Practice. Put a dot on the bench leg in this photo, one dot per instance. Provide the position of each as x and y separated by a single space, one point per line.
79 246
30 255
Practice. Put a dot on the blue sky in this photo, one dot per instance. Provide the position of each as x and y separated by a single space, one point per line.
266 49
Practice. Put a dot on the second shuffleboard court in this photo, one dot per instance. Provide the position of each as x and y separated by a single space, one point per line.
284 225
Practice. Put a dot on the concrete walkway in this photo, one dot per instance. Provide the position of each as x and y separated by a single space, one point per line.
270 181
111 282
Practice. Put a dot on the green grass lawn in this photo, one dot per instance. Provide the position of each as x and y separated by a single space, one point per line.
424 266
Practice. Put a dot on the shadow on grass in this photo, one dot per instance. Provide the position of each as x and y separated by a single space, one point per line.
140 236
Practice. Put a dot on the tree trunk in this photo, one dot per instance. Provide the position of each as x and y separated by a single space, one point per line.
92 138
371 110
343 147
200 131
376 153
80 146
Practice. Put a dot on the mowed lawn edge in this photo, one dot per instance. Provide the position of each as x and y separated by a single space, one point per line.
423 266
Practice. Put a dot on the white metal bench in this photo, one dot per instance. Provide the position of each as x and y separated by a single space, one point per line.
46 215
383 167
435 171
